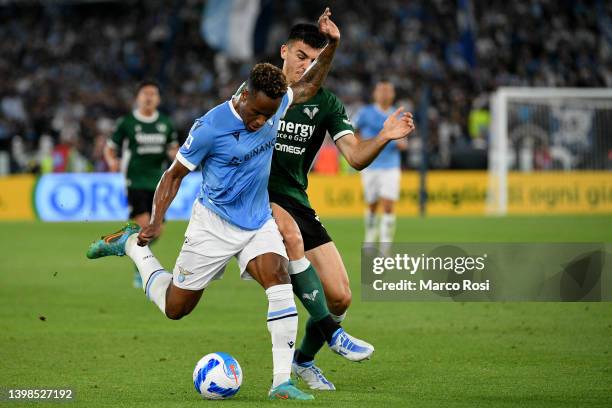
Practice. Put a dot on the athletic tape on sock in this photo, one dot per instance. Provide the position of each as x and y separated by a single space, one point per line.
299 265
338 319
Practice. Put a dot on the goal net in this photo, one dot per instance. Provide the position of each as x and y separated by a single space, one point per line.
546 130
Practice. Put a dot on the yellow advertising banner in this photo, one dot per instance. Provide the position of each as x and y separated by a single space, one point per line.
16 197
465 192
449 193
560 193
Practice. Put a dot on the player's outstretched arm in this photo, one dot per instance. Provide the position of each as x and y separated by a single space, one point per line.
361 152
313 78
164 194
110 157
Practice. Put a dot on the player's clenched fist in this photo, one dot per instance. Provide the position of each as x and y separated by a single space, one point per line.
328 27
148 234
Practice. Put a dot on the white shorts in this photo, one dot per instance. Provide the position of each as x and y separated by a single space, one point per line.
381 183
210 243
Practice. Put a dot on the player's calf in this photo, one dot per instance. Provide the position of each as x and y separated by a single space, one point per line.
180 302
269 269
339 301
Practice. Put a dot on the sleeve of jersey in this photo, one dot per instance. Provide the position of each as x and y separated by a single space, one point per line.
338 123
116 140
196 147
285 103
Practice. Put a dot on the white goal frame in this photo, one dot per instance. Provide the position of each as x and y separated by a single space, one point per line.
497 195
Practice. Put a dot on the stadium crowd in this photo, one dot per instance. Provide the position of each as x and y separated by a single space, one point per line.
68 71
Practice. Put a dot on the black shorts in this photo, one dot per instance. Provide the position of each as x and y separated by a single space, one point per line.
313 232
139 201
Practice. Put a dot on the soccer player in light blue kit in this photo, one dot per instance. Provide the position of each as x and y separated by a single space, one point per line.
381 179
234 143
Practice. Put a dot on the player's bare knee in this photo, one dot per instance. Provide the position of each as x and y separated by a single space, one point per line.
388 207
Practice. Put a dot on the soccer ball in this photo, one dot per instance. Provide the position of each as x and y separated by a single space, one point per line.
217 376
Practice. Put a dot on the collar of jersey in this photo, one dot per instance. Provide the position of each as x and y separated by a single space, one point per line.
231 106
379 109
145 119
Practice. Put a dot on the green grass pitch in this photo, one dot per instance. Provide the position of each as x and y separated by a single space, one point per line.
104 339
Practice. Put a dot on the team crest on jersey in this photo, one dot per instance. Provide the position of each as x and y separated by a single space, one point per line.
311 111
183 273
161 127
137 128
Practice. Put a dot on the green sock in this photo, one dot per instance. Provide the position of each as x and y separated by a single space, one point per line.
320 326
307 287
311 343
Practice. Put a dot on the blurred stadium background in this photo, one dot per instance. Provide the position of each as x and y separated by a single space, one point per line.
68 70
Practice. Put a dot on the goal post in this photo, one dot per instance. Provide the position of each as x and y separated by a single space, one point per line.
545 129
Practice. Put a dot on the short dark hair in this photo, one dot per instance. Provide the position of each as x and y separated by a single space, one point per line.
147 82
309 33
268 79
384 81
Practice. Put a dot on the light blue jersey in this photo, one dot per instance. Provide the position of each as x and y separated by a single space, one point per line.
370 120
235 163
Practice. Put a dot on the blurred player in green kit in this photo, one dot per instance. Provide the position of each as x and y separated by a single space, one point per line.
147 141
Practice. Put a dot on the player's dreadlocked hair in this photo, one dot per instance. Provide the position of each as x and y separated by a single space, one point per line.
309 33
268 79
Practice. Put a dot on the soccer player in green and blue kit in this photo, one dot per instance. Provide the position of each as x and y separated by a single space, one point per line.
313 256
234 143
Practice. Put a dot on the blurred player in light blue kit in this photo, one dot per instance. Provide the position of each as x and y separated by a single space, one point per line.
381 179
